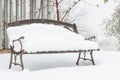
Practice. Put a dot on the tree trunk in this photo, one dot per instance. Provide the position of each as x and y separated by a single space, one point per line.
21 9
57 10
1 36
24 9
5 44
34 9
48 9
17 9
10 11
31 9
41 9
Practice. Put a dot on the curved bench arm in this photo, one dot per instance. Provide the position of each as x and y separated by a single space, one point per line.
90 38
19 40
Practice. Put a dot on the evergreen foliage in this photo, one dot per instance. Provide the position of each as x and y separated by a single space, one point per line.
112 25
106 1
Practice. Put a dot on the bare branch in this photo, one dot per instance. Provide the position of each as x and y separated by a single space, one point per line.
68 11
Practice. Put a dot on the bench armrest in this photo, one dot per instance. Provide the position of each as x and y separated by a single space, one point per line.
19 39
90 38
20 42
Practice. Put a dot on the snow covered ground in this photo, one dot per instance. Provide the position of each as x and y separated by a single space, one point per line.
62 67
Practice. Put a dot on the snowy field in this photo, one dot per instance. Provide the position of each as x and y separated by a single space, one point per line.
62 67
58 66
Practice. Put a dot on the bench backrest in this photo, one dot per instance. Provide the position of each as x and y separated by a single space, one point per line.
69 26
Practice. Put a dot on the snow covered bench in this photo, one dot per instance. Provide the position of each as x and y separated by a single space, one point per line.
40 36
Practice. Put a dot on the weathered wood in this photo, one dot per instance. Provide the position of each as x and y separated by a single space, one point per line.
30 21
53 52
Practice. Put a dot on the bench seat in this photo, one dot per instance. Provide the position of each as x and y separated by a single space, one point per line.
42 37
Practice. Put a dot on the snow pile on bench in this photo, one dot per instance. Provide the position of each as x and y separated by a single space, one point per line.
47 37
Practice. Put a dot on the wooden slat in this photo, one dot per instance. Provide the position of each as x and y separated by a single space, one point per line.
53 52
30 21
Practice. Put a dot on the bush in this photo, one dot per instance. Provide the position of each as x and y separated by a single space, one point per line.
112 26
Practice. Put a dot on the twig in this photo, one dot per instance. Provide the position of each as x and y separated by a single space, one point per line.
68 11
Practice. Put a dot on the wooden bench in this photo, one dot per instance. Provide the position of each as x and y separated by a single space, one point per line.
71 27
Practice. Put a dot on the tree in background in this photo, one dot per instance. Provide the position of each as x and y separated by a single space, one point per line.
112 26
13 10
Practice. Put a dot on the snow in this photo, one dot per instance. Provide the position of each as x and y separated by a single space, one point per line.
58 66
62 67
44 37
89 19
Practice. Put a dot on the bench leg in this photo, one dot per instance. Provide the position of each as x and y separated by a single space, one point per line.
11 58
92 58
21 61
78 58
15 60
